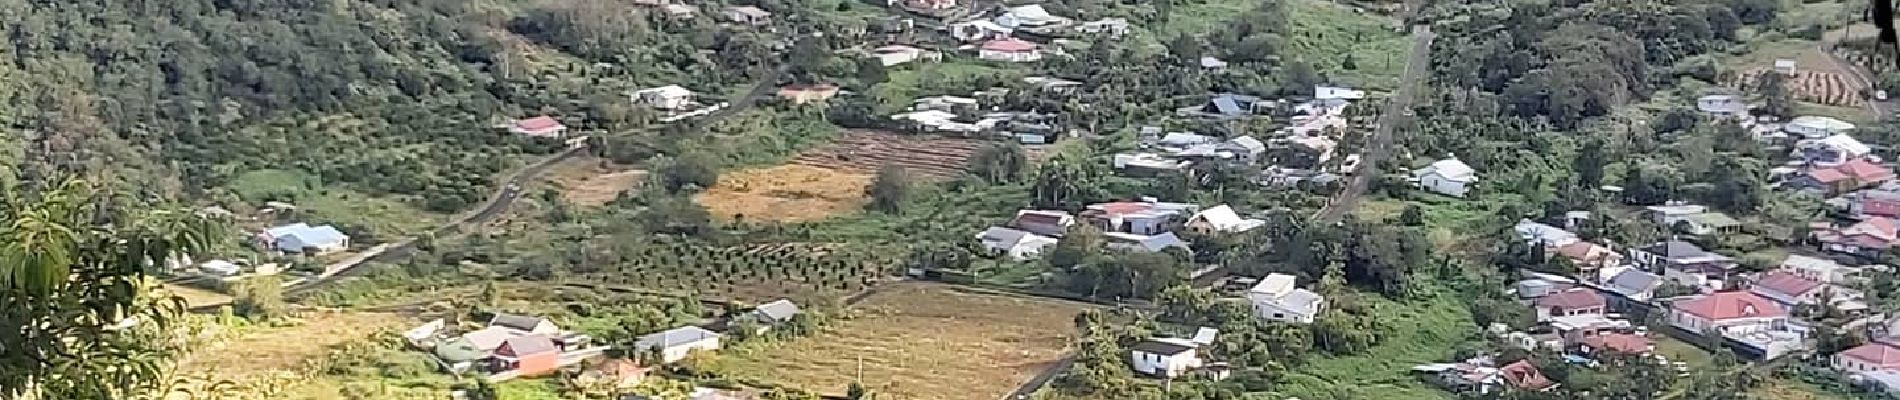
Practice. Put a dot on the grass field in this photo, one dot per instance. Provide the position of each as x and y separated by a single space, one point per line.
916 80
784 193
1324 33
257 350
387 218
1417 332
922 341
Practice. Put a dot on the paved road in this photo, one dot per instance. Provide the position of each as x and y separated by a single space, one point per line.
1397 112
1881 109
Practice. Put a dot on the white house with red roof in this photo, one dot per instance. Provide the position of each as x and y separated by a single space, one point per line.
1570 302
1789 289
1010 50
1868 357
1868 238
541 126
1729 312
1853 174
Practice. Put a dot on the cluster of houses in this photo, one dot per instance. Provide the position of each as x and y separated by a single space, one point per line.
674 102
1273 298
1140 226
966 116
1305 145
511 346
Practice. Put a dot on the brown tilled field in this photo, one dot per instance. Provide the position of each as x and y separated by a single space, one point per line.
590 181
784 193
1820 87
922 341
864 151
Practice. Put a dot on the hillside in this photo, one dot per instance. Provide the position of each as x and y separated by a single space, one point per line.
201 92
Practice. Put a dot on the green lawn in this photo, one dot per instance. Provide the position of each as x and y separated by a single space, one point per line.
387 218
1416 332
911 81
271 184
1325 34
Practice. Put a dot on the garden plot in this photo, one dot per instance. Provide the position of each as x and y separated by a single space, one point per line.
922 341
784 193
865 151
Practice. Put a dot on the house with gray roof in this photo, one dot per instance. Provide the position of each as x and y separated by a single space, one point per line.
304 238
524 324
1144 243
776 312
674 344
1227 106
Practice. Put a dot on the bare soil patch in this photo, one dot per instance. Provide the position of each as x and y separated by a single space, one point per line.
784 193
593 181
924 341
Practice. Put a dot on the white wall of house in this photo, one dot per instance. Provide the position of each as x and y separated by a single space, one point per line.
1010 56
679 352
1438 184
1165 365
1271 309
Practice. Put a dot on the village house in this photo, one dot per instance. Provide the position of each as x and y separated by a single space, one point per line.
979 31
1869 357
1053 85
669 97
1705 224
748 15
1113 27
1294 178
897 54
1242 149
1630 286
1448 177
1030 16
1589 257
1144 243
1052 223
1147 164
1213 63
1477 375
1868 238
301 238
1222 219
1816 127
950 104
1848 176
1686 264
927 5
524 325
1146 217
527 355
541 126
1744 318
1788 289
1880 202
1569 303
1227 106
1668 215
1625 343
675 344
1010 50
1819 269
1542 235
807 94
1163 359
1018 245
1277 298
1784 66
1829 151
772 314
1722 106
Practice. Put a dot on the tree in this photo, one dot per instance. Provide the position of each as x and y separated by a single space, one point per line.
690 171
1299 78
85 321
1775 97
260 298
871 71
1082 243
889 189
1000 163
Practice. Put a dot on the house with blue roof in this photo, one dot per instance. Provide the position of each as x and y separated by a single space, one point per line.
303 238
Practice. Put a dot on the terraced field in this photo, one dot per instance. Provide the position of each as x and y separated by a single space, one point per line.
864 151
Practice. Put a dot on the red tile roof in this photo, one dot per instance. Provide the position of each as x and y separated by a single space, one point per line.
1866 172
1011 45
1619 342
1827 175
1730 305
1042 218
1879 354
537 123
1572 299
1523 375
1787 283
1580 250
1122 207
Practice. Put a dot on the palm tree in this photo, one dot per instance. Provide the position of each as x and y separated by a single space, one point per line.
73 267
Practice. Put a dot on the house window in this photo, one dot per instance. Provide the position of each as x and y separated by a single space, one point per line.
1279 316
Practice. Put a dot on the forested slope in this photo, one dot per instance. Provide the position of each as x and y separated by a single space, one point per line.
385 96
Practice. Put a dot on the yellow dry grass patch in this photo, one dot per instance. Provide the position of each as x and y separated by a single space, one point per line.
260 350
922 341
784 193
